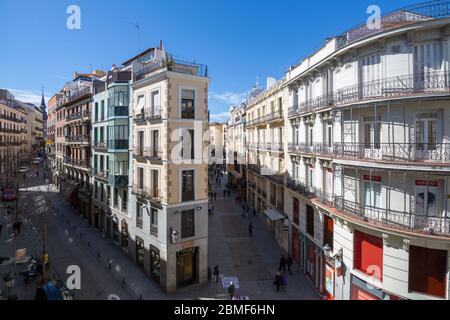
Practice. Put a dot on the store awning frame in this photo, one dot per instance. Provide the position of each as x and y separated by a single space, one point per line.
274 214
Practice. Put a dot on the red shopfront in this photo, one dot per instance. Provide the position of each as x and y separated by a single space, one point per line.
295 245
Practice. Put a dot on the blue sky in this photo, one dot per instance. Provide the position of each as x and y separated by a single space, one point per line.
238 40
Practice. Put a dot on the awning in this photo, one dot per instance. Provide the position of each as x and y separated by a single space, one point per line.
274 214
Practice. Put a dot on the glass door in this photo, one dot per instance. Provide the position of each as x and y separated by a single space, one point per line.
372 138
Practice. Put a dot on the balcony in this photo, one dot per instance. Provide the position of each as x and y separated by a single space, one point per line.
394 152
101 173
275 115
76 162
100 145
139 190
118 144
171 65
78 94
431 225
153 195
408 86
13 118
148 114
147 153
313 149
301 187
78 138
118 111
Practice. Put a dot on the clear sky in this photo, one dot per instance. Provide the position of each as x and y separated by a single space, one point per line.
238 40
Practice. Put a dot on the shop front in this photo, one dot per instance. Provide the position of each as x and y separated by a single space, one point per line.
329 279
187 264
361 290
312 261
124 234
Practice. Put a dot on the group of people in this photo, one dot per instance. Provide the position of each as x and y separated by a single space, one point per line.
280 281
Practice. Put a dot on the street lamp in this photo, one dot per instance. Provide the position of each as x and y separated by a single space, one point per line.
329 253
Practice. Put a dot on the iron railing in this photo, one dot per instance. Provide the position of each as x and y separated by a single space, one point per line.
172 65
401 17
148 114
411 85
315 148
436 225
395 152
147 153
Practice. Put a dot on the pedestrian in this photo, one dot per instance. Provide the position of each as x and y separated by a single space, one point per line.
216 273
283 281
231 290
1 228
282 263
212 209
250 229
247 209
215 196
224 192
289 263
277 281
19 224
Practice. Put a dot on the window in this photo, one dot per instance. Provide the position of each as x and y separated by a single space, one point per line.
296 211
187 185
116 198
328 228
188 144
140 103
426 197
427 271
187 104
156 110
96 111
372 192
154 222
124 201
140 252
310 135
102 111
187 223
139 216
310 220
140 178
372 133
310 176
426 133
368 254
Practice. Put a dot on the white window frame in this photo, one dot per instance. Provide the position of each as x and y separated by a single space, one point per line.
180 90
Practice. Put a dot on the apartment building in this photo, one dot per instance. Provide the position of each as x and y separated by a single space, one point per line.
235 145
50 143
110 148
12 137
369 166
217 139
74 106
168 199
265 133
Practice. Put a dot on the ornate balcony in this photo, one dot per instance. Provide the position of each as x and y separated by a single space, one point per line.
394 152
432 225
78 138
147 153
313 149
301 187
148 114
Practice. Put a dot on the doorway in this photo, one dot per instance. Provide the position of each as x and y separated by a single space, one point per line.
187 267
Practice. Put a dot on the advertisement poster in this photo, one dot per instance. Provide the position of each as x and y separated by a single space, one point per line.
329 280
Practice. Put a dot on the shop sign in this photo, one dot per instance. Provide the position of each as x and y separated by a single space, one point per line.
374 178
423 183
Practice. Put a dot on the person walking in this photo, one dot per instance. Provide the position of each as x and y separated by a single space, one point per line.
216 273
277 281
283 281
224 193
1 228
289 263
282 263
215 196
250 229
231 290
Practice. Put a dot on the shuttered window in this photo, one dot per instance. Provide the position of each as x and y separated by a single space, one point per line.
427 269
368 254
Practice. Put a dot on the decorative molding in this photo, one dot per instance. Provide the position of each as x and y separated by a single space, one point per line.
406 244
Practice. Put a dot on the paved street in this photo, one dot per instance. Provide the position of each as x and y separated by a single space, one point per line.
71 241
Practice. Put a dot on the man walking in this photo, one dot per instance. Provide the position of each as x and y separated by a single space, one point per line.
282 263
231 290
1 228
289 263
250 229
216 273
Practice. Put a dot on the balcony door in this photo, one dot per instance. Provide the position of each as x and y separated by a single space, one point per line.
372 137
426 136
428 67
155 143
370 74
140 143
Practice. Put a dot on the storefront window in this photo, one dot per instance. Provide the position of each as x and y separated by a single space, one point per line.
155 265
140 251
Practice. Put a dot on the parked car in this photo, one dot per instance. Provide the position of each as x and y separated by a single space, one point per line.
9 195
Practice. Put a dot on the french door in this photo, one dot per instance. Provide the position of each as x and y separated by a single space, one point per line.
370 74
428 66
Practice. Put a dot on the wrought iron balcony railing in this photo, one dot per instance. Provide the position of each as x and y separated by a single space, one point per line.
301 187
78 138
148 114
394 152
100 145
171 65
147 153
410 221
315 148
411 85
